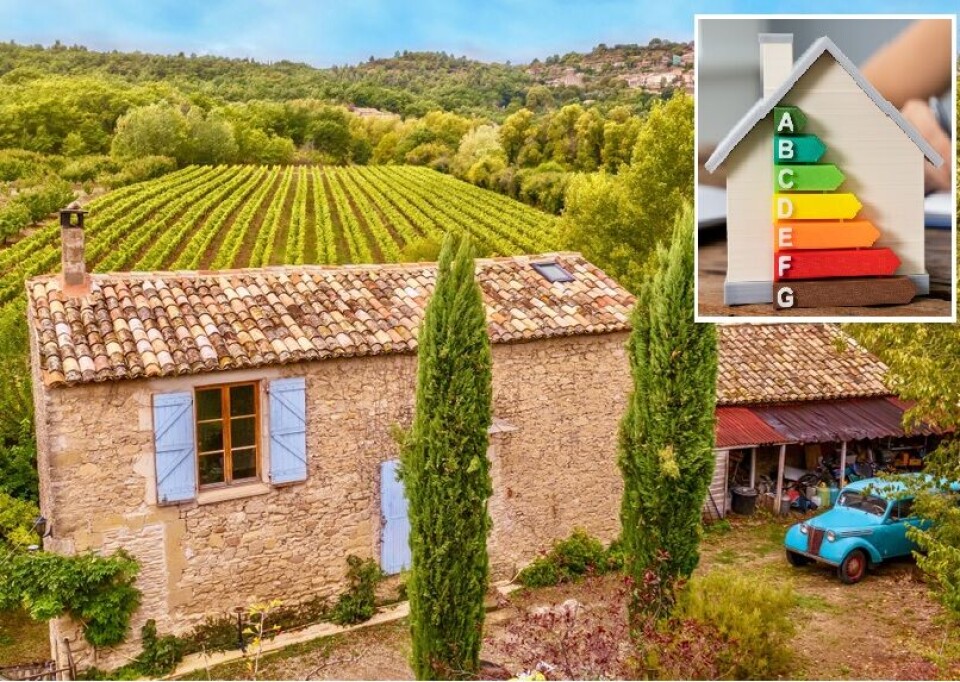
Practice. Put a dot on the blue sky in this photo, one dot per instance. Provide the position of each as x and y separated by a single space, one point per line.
325 32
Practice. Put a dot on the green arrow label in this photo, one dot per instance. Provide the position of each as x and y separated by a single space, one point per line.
788 120
807 178
797 148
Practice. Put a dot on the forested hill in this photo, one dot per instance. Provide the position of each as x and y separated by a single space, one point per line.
409 83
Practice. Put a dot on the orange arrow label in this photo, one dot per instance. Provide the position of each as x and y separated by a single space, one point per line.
825 234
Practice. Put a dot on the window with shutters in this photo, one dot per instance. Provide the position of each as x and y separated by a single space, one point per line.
227 433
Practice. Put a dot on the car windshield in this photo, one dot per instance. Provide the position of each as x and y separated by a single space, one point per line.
868 503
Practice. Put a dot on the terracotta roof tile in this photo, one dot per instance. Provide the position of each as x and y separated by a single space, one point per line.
167 324
772 363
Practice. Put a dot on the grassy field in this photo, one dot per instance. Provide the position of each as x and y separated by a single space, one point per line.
22 639
886 627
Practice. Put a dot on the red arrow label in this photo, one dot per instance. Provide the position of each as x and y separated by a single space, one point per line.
788 265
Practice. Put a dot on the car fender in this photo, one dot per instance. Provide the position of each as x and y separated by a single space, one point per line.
837 551
794 539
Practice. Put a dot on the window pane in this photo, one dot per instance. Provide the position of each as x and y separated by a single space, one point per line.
241 400
208 404
244 463
242 432
210 436
211 468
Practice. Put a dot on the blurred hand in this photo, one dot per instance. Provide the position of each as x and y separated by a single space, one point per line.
921 116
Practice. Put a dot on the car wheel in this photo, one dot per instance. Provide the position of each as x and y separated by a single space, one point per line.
797 559
853 567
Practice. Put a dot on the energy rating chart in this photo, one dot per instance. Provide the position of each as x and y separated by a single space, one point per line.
823 254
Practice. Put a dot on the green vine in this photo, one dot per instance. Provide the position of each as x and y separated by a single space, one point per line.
96 591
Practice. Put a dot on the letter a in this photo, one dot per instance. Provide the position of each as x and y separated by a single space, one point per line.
784 207
785 149
786 123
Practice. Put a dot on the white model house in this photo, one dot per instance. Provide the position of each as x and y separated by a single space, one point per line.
880 153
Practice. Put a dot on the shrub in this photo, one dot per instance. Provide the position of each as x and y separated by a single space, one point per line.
16 522
569 560
160 655
141 169
753 618
44 197
88 167
357 604
13 218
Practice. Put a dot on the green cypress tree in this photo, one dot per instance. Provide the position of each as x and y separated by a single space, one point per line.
666 435
446 473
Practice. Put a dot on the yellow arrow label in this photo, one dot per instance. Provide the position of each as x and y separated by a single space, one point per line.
815 206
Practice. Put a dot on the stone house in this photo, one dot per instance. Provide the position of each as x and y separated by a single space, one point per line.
233 430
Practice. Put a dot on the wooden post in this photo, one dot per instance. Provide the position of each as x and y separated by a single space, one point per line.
843 462
780 466
753 467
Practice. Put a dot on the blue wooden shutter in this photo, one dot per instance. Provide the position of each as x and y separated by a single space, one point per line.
288 430
176 454
395 534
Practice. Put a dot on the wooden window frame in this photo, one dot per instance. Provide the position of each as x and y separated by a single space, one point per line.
225 418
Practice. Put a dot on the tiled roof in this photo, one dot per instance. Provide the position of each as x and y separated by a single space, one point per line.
773 363
165 324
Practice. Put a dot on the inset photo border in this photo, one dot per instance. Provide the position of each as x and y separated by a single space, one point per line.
825 168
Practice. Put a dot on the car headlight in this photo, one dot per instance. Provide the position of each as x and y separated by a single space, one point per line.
831 536
803 529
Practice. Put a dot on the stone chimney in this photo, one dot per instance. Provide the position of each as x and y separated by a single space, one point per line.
73 273
776 56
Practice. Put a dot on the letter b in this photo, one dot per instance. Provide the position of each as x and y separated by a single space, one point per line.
784 149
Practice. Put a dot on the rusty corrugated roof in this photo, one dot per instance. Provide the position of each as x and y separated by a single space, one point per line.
837 420
740 427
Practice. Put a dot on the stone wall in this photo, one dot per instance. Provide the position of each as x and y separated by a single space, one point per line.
553 471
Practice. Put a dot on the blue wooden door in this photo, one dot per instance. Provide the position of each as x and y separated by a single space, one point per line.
395 531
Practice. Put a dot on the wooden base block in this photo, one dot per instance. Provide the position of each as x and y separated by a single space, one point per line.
821 293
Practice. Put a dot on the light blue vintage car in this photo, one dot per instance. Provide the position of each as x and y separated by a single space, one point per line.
867 526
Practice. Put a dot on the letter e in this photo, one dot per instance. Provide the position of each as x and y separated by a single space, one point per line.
785 235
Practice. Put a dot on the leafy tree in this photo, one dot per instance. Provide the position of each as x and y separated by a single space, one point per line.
446 474
661 172
476 145
514 131
666 435
332 139
924 367
562 134
153 130
539 98
209 139
616 220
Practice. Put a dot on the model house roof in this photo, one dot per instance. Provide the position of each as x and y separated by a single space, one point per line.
776 363
763 107
171 323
